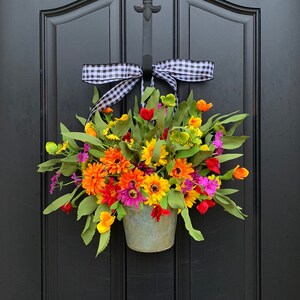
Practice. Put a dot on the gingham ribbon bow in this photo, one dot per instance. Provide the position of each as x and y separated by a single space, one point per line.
130 74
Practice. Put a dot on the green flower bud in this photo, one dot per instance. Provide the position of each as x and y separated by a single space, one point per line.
51 148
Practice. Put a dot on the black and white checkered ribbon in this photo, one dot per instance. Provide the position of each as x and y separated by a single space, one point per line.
129 74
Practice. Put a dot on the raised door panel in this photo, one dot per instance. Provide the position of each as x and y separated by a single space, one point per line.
82 32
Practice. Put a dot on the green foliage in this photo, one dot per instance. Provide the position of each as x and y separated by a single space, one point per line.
176 199
56 204
233 142
195 234
87 206
84 138
96 95
89 230
103 241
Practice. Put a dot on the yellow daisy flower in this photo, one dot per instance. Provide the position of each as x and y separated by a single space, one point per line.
147 154
156 187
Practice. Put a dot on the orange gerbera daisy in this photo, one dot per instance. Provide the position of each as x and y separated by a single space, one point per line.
94 178
115 162
135 176
182 169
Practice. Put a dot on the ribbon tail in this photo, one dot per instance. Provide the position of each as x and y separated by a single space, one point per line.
114 95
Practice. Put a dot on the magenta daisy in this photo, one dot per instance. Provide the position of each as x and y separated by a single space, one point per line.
131 196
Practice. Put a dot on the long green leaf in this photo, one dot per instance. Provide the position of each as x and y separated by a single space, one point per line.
88 231
48 165
188 153
121 212
95 96
103 241
87 206
84 138
196 234
99 210
147 93
56 204
176 199
157 150
236 118
67 169
233 142
226 157
71 141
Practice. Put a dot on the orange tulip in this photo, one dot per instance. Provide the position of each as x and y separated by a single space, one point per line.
203 106
106 220
240 173
107 110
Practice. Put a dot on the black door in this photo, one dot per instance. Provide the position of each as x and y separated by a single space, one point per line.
255 47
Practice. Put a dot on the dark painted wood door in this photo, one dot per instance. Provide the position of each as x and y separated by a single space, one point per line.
255 47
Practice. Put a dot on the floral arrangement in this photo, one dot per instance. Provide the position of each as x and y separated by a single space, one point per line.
156 155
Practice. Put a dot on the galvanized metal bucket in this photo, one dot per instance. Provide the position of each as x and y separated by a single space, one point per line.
144 234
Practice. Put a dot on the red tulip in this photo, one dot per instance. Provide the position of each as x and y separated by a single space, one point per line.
147 114
205 205
67 208
213 165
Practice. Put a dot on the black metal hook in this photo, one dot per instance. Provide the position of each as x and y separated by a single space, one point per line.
147 8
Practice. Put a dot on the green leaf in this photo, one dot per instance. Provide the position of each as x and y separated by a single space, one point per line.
229 205
147 93
96 153
103 241
164 202
128 154
180 114
231 131
233 142
122 127
115 205
84 138
188 153
48 165
56 204
226 157
161 119
71 141
99 210
87 206
100 125
170 165
153 101
227 191
236 118
70 159
96 96
200 157
206 127
89 230
191 96
196 234
227 175
176 199
157 150
121 212
67 169
81 120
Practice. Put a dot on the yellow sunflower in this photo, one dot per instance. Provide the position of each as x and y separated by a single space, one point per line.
156 187
147 154
190 198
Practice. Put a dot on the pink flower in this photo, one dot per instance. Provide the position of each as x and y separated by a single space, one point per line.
76 179
131 196
54 182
